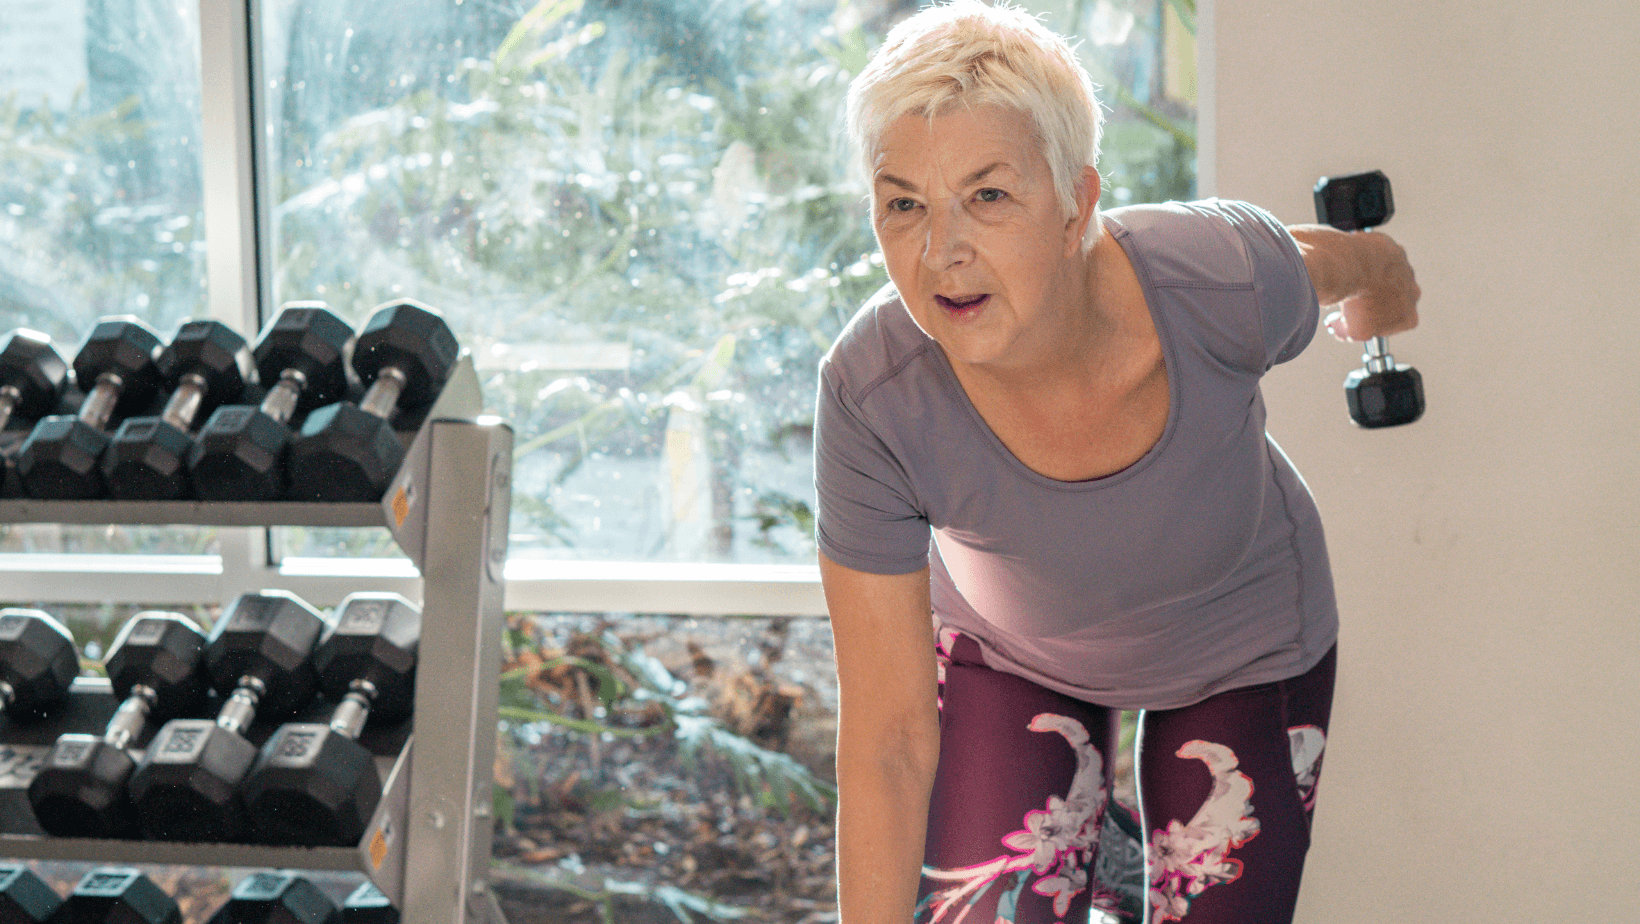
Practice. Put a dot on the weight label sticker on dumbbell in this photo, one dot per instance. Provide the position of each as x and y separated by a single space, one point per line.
230 419
146 632
182 740
111 882
254 614
70 752
262 886
297 744
364 615
19 764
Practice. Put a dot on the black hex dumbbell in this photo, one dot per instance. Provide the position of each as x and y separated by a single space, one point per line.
257 655
24 897
206 364
240 452
349 452
315 784
117 895
32 375
1382 393
277 897
38 662
156 666
118 365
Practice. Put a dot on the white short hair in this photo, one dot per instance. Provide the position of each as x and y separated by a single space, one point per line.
967 52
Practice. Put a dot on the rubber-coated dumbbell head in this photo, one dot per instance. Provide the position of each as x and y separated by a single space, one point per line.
81 789
24 897
313 340
344 453
32 375
1385 399
239 455
209 349
277 897
269 636
38 662
186 787
414 339
1355 202
116 895
374 639
127 347
147 459
312 786
31 364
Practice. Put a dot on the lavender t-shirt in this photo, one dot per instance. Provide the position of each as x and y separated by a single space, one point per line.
1198 569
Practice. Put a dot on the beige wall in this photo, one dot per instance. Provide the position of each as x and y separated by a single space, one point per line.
1485 761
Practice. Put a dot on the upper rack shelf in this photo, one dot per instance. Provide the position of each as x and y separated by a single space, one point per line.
401 509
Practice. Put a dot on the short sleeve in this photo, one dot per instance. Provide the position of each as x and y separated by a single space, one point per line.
867 519
1288 311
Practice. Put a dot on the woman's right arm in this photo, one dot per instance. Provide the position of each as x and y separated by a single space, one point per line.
888 737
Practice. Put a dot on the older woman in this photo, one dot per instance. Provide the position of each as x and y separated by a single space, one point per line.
1070 403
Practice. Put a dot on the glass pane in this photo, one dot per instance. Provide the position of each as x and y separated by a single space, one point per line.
639 218
640 754
100 194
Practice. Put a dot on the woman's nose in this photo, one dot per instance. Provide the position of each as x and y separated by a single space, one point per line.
949 231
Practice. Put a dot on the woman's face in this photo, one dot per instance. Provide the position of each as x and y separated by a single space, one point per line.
973 235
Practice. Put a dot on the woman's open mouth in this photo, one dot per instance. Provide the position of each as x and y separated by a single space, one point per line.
962 305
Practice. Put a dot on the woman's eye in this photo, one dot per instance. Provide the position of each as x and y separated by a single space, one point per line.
901 205
991 195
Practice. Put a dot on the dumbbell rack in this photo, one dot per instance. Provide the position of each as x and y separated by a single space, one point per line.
428 845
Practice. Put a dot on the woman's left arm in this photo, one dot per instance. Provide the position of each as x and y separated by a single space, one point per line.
1364 277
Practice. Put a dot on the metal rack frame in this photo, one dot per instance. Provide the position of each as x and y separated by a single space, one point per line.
428 846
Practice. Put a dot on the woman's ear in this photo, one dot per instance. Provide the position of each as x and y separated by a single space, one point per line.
1088 186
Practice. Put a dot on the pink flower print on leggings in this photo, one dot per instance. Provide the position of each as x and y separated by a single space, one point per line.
1184 860
1056 844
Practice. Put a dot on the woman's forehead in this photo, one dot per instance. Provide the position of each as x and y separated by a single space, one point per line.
961 146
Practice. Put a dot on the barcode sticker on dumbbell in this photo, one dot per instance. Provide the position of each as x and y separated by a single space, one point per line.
18 765
297 743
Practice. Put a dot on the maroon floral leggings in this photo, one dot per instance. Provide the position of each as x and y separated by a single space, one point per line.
1227 789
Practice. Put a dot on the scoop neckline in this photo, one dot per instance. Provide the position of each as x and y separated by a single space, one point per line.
1164 333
